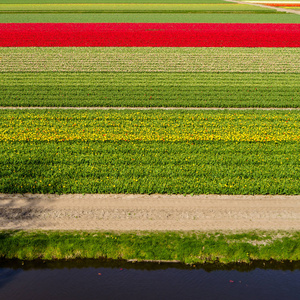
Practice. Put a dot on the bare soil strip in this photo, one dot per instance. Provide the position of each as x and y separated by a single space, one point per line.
153 108
149 212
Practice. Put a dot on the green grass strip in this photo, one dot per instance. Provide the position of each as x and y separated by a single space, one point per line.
189 248
113 89
150 59
212 152
150 18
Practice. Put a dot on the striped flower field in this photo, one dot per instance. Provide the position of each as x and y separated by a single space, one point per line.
211 54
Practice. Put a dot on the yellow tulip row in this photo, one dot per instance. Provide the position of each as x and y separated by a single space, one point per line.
171 126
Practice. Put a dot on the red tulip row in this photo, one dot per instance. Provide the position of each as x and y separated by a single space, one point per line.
149 35
283 4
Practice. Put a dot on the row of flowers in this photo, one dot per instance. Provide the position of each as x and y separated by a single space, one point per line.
149 35
149 126
149 59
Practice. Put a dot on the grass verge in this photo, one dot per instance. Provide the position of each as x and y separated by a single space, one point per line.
186 247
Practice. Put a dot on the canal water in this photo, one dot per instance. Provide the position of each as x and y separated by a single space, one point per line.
94 279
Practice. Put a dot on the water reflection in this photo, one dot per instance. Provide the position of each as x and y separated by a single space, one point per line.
106 279
150 266
7 275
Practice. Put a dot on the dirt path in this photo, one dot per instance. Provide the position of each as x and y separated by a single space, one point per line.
291 11
149 212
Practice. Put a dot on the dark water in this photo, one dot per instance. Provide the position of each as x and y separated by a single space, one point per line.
90 279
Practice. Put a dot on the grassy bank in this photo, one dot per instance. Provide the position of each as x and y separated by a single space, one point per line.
193 247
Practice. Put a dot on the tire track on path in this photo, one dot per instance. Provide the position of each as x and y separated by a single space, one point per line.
123 212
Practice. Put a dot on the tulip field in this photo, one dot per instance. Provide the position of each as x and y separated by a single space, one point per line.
132 89
150 152
138 11
131 8
150 60
149 35
132 55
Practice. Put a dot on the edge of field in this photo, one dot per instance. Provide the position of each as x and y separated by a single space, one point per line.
142 246
116 227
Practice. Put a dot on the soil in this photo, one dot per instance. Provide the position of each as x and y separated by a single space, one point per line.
149 212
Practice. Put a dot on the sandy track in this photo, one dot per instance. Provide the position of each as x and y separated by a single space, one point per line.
280 9
149 212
